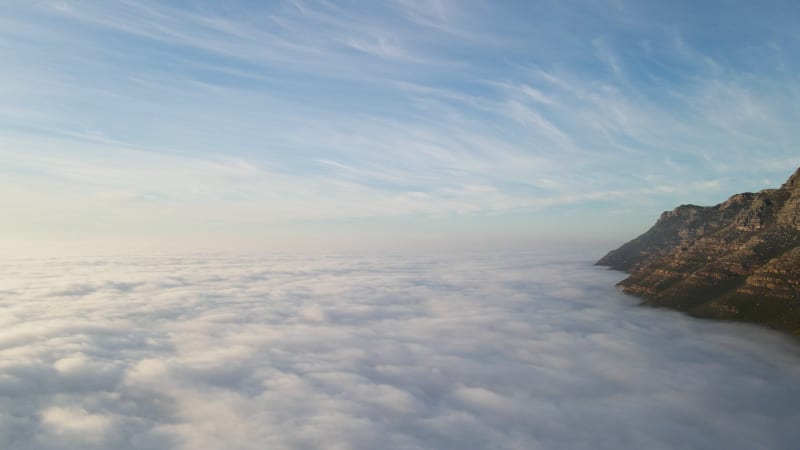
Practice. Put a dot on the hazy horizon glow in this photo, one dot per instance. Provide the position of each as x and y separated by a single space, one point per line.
302 123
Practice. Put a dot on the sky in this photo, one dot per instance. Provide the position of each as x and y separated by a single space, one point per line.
522 351
279 125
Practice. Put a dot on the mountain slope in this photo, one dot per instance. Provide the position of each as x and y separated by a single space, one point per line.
739 260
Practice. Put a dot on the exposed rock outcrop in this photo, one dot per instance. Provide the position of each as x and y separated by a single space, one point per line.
739 260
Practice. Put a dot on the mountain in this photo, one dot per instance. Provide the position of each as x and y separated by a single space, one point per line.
739 260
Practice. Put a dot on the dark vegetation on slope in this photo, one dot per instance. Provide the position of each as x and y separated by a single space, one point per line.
739 260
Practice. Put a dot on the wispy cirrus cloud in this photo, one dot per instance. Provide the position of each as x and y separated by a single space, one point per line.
343 113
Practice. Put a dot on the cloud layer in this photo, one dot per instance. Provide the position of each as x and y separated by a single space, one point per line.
485 351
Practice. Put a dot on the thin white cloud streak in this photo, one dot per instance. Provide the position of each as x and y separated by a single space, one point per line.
490 351
313 36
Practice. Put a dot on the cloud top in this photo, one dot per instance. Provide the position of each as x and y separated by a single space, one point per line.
491 351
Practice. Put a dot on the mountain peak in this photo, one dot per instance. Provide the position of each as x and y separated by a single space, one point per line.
739 260
793 183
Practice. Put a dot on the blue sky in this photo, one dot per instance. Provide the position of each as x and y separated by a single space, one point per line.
142 125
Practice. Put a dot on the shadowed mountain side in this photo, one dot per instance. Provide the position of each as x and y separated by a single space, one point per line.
739 260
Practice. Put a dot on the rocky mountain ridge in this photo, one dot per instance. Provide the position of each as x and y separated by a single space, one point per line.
738 260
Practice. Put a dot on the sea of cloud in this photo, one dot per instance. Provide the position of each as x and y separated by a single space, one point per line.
519 351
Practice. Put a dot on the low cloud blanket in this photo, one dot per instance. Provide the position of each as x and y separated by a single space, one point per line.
496 351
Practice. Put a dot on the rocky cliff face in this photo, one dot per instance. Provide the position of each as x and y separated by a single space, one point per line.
739 260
